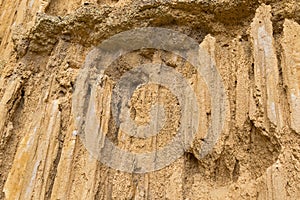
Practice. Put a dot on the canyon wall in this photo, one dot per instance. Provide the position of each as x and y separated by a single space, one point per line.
253 45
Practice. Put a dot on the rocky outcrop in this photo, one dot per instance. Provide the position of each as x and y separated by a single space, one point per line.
254 46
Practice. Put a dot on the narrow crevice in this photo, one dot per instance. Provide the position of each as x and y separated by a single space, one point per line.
53 170
236 171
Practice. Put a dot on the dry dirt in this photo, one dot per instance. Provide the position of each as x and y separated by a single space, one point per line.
255 45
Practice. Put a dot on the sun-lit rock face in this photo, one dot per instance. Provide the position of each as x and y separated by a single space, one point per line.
252 46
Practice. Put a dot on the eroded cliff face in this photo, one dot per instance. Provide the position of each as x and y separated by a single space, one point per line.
255 46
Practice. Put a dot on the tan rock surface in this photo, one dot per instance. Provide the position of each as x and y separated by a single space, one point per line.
255 48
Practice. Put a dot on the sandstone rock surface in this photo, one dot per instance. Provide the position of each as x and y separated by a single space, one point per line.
255 47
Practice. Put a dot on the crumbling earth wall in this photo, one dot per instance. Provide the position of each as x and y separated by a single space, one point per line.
255 46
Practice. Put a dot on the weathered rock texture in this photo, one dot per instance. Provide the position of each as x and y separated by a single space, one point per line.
255 46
